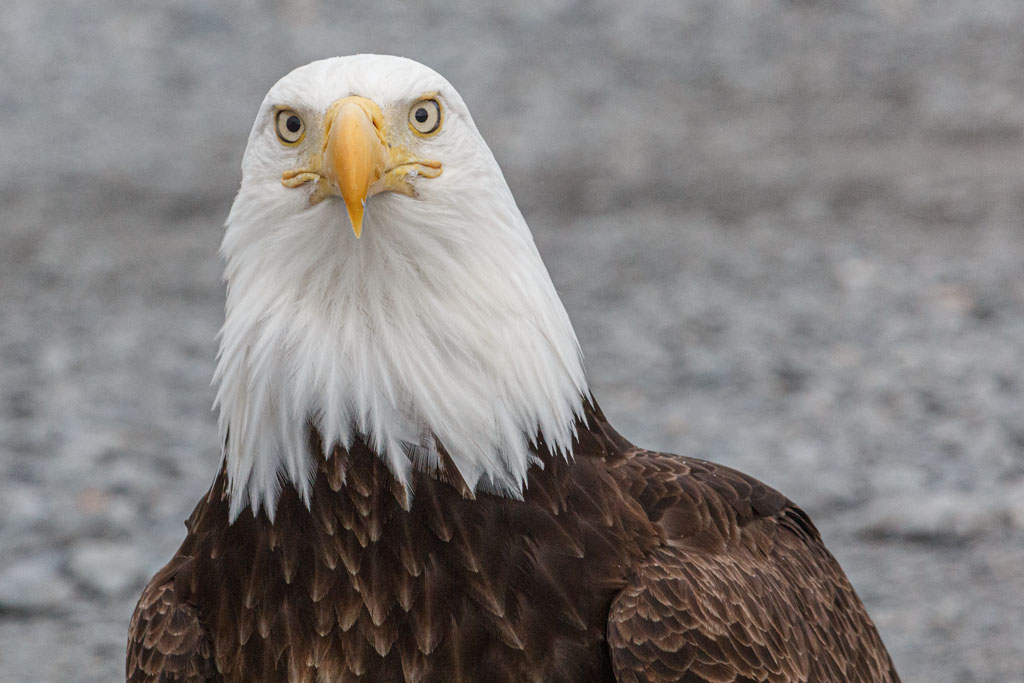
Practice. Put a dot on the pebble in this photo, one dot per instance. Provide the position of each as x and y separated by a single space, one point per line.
939 517
111 569
35 585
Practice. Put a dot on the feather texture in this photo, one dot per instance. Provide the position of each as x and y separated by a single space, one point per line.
674 569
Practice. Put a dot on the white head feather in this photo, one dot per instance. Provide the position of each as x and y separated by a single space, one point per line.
439 326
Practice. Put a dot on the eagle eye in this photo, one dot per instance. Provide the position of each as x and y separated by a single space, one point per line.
425 116
289 126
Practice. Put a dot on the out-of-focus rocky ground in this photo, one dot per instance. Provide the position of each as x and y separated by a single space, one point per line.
790 236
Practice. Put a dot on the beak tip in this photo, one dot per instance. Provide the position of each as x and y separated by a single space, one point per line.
356 219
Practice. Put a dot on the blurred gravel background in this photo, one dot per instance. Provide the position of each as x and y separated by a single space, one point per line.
789 235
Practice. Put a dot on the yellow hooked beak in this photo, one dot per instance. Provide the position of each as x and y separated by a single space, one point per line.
356 155
358 160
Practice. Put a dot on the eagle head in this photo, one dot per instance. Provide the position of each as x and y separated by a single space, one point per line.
383 286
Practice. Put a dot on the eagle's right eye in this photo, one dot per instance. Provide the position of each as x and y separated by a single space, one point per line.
290 127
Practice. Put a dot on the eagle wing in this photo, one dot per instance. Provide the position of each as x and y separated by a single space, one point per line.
166 639
741 589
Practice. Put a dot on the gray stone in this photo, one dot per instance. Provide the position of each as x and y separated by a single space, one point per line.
943 517
34 585
107 568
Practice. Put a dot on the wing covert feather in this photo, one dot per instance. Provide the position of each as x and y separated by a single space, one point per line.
166 640
741 590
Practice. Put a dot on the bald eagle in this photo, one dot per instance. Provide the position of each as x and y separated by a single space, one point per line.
416 483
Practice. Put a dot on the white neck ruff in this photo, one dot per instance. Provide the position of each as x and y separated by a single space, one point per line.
440 326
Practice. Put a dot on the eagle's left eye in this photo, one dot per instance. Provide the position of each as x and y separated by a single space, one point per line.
290 127
425 116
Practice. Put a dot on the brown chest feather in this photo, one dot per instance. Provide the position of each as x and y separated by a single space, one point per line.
621 565
358 586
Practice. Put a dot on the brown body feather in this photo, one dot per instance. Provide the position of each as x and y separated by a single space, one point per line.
622 565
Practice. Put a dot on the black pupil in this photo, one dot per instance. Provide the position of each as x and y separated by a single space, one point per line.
293 124
422 115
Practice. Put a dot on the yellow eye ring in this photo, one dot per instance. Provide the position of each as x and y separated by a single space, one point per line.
289 126
425 117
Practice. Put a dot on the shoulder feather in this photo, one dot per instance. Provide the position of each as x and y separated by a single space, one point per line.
166 639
